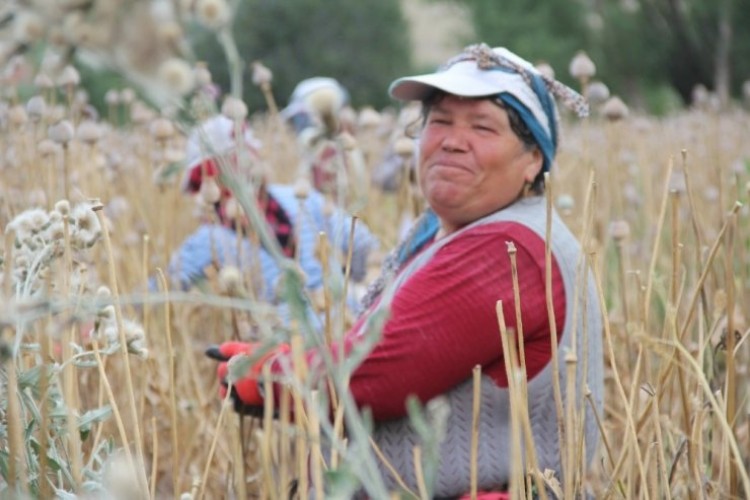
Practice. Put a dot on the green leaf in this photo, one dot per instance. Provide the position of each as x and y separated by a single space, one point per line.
91 417
238 368
341 483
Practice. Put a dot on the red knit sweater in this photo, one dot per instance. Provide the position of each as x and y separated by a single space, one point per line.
443 320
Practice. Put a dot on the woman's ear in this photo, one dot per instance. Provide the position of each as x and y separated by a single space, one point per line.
534 166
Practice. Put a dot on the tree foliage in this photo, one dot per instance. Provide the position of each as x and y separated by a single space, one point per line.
364 45
638 45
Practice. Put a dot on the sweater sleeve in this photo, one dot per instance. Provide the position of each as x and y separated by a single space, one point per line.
443 320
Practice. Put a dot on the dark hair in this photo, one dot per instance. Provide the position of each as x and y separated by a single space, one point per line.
517 125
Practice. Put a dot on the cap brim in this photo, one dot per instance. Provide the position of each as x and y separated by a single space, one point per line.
418 88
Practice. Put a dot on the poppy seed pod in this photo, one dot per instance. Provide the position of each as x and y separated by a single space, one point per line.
597 93
582 68
210 192
614 109
140 113
326 101
162 129
212 13
63 206
347 141
176 74
404 146
546 70
112 97
619 230
565 203
230 282
202 74
261 74
36 107
42 81
232 209
17 115
61 132
47 147
234 109
127 95
56 113
69 77
369 118
89 131
28 28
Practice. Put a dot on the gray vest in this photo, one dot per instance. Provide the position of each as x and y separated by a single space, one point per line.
397 439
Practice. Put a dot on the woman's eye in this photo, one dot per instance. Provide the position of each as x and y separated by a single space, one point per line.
484 128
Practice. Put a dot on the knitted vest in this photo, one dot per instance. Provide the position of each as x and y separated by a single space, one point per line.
397 438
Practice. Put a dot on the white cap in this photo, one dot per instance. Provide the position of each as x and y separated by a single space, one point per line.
467 79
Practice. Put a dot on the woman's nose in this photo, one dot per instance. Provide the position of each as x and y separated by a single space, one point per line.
454 139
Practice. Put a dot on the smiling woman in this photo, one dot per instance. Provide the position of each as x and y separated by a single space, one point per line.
488 137
473 163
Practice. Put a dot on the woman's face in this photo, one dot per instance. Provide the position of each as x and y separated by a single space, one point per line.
471 161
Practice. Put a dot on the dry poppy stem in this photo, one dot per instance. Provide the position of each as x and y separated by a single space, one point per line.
316 456
266 435
657 242
267 486
475 412
661 459
113 404
511 368
394 473
43 435
347 274
124 351
69 375
16 456
17 476
417 452
300 374
731 370
571 477
226 404
155 454
172 390
531 460
706 270
517 302
284 445
695 223
716 407
338 429
551 316
630 424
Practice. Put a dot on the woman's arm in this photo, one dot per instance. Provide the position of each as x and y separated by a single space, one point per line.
443 320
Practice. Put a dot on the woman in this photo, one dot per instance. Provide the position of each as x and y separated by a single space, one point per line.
296 220
489 135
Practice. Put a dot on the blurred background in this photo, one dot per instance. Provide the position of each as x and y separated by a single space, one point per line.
658 55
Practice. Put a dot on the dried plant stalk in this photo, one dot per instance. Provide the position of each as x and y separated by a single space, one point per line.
124 350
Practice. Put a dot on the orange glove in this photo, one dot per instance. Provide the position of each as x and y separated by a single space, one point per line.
245 394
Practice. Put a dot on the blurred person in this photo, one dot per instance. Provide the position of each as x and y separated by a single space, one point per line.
489 134
295 218
331 159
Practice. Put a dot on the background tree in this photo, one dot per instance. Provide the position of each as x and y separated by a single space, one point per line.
364 45
642 48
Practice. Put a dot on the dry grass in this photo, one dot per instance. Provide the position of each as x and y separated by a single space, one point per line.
673 279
